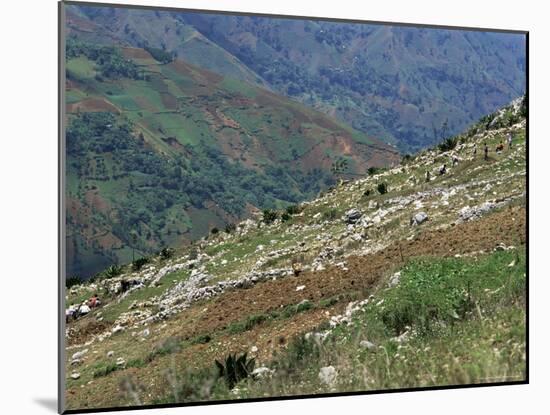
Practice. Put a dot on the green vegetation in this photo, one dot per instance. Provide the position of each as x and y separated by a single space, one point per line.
448 144
168 346
234 369
139 263
161 55
269 216
467 313
230 227
382 188
248 324
105 155
72 281
111 64
104 369
113 271
166 253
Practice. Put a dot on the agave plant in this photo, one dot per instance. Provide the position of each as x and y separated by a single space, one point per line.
235 369
113 271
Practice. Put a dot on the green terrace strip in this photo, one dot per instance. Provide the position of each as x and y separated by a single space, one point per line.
176 344
104 369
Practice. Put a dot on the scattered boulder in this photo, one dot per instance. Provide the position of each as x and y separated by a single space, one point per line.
300 287
328 375
120 361
419 218
110 353
352 216
117 329
262 372
75 375
79 355
394 280
365 344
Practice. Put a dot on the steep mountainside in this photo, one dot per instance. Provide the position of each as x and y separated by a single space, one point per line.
390 281
407 86
161 151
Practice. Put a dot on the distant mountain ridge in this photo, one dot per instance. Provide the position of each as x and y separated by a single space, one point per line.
407 86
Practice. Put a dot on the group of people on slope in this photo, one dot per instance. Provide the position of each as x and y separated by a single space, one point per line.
454 158
78 310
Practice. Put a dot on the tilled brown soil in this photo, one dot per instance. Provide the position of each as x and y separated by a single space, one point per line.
507 226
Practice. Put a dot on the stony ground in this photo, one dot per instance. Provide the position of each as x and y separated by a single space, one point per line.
237 292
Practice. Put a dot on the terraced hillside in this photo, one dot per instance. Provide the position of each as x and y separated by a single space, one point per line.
184 150
405 85
389 281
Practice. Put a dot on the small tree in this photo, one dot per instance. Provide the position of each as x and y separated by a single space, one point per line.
230 227
269 216
139 263
339 166
72 281
372 171
382 188
166 253
293 209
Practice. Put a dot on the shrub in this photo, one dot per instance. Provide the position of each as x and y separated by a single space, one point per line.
214 231
135 363
230 227
101 370
293 209
407 158
166 253
139 263
234 369
373 170
248 324
382 188
299 355
202 339
285 217
330 214
168 346
72 281
269 216
292 310
328 302
367 192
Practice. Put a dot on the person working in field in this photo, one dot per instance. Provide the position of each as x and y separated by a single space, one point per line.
455 160
94 301
443 169
486 151
499 148
509 140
